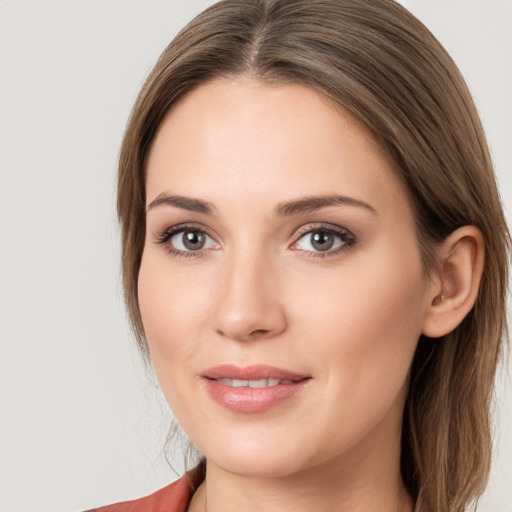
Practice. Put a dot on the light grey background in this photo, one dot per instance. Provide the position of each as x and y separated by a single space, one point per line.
81 424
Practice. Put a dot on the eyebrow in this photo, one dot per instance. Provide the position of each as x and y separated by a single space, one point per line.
185 203
313 203
285 209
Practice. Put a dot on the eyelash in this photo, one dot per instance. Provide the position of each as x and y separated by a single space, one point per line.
164 237
347 238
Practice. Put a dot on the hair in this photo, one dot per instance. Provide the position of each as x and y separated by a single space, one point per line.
383 66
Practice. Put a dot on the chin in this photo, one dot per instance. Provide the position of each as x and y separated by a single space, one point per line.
268 458
258 467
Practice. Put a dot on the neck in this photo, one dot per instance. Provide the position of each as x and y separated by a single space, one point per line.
369 482
280 495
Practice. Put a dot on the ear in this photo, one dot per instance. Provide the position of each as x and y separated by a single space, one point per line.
455 288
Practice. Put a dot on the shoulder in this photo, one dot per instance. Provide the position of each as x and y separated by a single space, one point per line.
172 498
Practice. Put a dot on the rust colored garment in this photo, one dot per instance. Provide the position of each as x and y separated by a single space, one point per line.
172 498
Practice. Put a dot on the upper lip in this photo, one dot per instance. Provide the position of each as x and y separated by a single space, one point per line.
253 372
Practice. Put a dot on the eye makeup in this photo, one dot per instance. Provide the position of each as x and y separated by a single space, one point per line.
192 234
318 240
335 239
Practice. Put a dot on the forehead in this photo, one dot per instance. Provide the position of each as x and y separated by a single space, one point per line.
249 139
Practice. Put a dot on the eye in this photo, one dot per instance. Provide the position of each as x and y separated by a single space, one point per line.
323 239
191 240
186 241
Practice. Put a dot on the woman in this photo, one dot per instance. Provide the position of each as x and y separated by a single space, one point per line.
315 260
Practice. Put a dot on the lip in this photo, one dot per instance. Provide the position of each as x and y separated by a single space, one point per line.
248 399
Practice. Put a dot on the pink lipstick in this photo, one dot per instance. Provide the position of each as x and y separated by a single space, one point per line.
252 389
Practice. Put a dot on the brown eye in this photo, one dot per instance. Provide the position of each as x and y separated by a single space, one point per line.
189 240
322 240
193 240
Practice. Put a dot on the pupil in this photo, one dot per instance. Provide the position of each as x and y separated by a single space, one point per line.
193 240
322 241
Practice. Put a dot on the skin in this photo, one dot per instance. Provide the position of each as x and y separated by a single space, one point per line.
260 293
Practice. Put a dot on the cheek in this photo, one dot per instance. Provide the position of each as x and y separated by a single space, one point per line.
172 307
365 321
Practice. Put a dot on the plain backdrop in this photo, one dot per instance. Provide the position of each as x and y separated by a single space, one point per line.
81 422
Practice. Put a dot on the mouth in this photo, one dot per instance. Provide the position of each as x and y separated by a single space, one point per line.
252 389
255 384
253 373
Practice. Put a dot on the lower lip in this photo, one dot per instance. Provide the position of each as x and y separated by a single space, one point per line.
252 400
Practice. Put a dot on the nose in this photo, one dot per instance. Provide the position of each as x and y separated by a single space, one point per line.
249 303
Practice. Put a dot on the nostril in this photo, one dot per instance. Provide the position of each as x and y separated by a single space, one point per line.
258 332
251 335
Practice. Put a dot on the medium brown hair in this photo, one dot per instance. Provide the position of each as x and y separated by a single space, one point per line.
383 66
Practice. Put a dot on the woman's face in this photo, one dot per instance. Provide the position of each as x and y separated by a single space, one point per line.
281 286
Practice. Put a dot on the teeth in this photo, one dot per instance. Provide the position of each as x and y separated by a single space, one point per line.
260 383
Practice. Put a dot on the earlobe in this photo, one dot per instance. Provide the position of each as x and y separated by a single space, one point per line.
454 292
